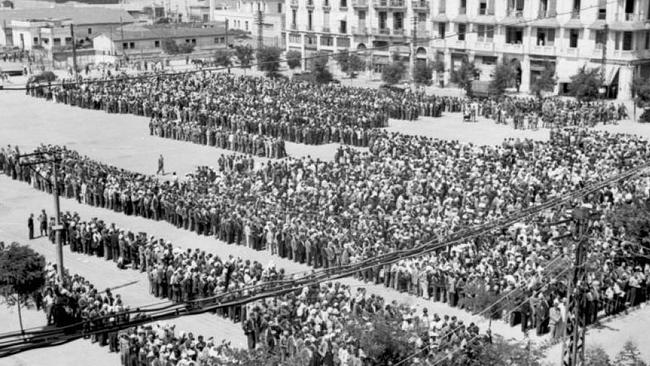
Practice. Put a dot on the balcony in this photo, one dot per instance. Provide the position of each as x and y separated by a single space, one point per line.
513 47
310 4
360 4
398 32
343 7
575 14
438 43
381 31
484 46
543 50
625 55
570 52
462 11
515 13
360 31
294 26
457 44
631 17
325 29
294 3
420 5
390 4
423 34
327 7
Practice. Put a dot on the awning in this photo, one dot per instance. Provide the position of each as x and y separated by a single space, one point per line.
627 26
610 73
400 49
573 24
545 23
513 22
380 60
461 18
598 24
440 18
485 19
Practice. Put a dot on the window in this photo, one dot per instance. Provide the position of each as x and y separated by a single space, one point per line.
193 40
343 27
647 40
344 3
280 8
442 6
602 9
125 45
543 8
463 7
362 15
617 40
600 39
246 25
131 44
441 30
382 19
398 20
462 28
326 21
68 40
156 44
326 41
545 36
629 6
576 9
482 7
514 35
573 38
309 20
485 32
294 38
35 40
293 18
627 41
57 42
90 31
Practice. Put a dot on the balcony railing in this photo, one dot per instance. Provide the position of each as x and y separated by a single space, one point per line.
543 50
381 31
571 52
327 7
398 32
458 43
360 4
513 47
310 4
484 46
360 30
325 29
294 3
294 26
575 14
390 4
631 17
462 11
420 5
423 34
440 43
515 13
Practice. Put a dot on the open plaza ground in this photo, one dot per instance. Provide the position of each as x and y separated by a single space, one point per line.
124 141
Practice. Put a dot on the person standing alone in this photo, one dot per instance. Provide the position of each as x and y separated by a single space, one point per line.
30 226
161 165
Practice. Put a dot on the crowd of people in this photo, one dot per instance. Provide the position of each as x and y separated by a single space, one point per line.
403 192
311 324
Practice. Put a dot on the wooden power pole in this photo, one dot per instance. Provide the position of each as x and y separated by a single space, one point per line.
74 51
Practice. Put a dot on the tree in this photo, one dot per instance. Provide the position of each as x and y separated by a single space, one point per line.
350 63
641 87
186 48
22 273
223 58
635 218
319 69
268 60
169 46
596 356
629 356
382 339
504 76
585 84
244 54
393 72
294 59
422 73
546 81
464 76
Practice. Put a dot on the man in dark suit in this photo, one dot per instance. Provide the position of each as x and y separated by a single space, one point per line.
30 226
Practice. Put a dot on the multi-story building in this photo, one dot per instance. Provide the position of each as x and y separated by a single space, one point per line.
245 15
613 35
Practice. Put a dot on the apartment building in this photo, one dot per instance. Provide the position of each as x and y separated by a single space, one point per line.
244 15
613 35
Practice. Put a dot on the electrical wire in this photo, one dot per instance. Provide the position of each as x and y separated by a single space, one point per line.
333 54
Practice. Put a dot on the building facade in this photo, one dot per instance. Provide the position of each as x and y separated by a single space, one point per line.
612 35
244 15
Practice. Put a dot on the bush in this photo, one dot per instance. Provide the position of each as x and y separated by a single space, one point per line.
585 84
393 72
319 69
268 60
423 73
294 59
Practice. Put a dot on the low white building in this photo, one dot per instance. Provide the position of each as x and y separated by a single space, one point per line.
244 15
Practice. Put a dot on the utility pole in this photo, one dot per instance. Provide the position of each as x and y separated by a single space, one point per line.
226 33
603 61
260 26
74 51
573 348
414 43
42 158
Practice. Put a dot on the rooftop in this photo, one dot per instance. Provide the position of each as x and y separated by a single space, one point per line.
81 15
157 32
